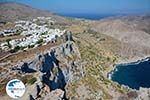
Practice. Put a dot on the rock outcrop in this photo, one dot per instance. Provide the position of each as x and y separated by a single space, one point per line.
141 94
54 69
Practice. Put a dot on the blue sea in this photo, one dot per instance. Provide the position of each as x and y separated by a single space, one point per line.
134 75
88 16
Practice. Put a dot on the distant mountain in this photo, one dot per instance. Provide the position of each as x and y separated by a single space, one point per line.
134 31
139 22
10 11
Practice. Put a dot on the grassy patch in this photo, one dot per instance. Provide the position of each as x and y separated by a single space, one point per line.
98 61
29 80
2 88
32 80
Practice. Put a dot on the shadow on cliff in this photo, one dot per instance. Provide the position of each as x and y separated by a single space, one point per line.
49 61
58 81
25 68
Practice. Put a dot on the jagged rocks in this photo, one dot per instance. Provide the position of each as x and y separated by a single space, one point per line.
35 92
144 94
68 36
57 94
141 94
30 97
45 94
55 68
24 68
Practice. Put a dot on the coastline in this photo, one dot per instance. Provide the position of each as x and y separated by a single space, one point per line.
131 61
126 63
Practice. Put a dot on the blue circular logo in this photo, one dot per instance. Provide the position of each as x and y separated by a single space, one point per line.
15 88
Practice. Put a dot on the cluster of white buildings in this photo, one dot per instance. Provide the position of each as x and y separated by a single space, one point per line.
44 20
33 33
7 32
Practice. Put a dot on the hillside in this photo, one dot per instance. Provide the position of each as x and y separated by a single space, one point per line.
75 65
11 11
132 31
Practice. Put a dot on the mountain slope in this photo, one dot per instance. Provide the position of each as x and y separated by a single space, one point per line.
11 11
132 31
100 51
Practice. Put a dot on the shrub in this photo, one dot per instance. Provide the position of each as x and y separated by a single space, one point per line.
44 33
32 80
40 41
2 88
17 48
8 44
29 80
8 40
30 46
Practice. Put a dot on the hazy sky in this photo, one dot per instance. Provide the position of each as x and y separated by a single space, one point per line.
91 6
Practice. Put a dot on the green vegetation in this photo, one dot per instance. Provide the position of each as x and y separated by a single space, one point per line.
40 41
16 49
2 88
44 33
28 35
8 43
32 80
29 80
30 46
8 40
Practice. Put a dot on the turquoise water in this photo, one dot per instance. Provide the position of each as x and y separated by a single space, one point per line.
134 75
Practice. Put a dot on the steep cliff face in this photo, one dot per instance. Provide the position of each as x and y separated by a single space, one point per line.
54 69
77 69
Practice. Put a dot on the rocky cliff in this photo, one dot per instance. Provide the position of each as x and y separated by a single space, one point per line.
76 68
53 69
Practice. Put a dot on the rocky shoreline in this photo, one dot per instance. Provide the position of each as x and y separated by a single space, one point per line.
132 62
141 93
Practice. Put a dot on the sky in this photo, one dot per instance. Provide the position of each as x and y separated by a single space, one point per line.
90 6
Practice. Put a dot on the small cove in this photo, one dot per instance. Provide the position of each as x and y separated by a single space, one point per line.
133 75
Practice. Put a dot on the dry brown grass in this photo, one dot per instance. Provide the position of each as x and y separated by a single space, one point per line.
3 39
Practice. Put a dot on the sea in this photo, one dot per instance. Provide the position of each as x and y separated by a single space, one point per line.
133 75
88 16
